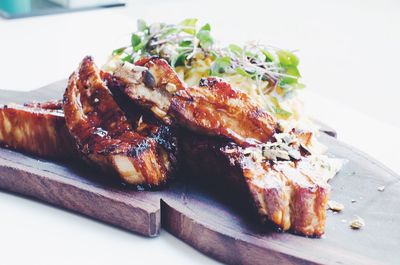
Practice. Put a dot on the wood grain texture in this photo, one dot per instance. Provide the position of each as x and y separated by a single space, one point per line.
209 221
75 188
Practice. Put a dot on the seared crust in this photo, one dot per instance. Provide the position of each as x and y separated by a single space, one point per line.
36 130
213 108
103 134
280 193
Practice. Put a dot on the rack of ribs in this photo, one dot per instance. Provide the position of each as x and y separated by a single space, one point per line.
124 122
283 187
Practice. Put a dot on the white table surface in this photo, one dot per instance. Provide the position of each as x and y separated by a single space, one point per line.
349 61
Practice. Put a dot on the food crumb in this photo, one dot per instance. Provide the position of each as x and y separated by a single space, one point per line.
171 88
353 201
357 223
335 206
381 188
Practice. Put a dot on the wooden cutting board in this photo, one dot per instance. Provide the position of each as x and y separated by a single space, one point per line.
212 224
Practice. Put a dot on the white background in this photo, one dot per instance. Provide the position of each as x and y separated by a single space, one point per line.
350 59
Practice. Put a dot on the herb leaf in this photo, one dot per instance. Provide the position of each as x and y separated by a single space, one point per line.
127 58
206 27
135 40
220 66
179 60
206 41
243 72
292 71
142 26
268 56
186 43
118 51
189 25
287 58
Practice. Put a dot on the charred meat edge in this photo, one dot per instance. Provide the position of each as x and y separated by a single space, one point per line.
213 107
103 134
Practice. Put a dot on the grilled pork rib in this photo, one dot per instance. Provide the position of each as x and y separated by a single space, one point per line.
151 83
38 129
103 134
144 122
213 107
284 192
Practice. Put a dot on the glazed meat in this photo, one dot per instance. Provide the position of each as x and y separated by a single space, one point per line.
213 107
144 122
151 83
103 134
226 140
35 128
287 193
